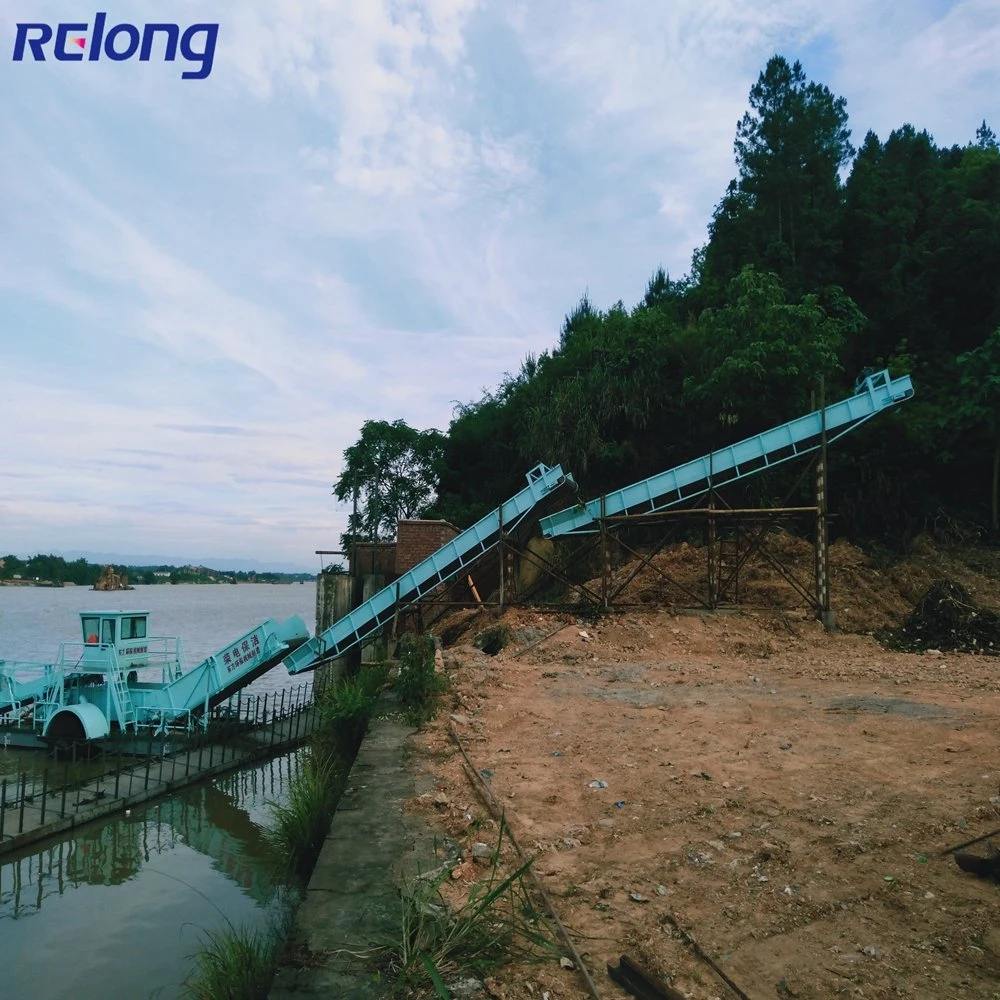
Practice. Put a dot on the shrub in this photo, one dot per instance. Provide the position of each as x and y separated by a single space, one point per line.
418 685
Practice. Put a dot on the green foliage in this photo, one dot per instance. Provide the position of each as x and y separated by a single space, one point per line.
804 274
300 826
418 684
763 353
235 964
352 699
980 403
498 923
781 213
392 470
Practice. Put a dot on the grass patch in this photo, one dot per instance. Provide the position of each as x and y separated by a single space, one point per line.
352 698
301 825
436 944
237 963
418 684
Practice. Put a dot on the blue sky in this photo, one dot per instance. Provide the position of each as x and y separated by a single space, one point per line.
369 209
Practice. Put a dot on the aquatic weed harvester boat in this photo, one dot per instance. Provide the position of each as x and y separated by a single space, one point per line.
107 679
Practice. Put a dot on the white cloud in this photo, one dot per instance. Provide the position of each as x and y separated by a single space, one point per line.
369 210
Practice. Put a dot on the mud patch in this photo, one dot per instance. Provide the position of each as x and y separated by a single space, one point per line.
896 706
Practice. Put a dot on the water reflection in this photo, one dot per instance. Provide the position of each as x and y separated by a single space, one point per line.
150 882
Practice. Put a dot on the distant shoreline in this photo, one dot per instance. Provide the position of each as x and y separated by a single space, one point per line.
181 583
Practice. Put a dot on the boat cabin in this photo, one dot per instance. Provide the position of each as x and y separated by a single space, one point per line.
125 631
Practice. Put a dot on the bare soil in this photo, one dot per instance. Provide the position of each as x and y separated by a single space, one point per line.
785 795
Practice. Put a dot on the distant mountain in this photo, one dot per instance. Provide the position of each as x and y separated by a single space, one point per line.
220 563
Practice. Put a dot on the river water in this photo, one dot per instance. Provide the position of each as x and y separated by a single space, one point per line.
119 908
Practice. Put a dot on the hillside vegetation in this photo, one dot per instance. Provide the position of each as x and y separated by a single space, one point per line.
822 259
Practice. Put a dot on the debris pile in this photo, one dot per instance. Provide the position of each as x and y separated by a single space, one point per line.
947 618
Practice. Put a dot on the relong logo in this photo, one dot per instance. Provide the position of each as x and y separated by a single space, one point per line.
75 41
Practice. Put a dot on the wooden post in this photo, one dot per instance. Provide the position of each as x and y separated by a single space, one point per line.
605 556
826 615
500 544
711 541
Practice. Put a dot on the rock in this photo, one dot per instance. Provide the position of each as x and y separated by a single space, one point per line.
637 897
482 852
466 988
606 823
872 951
661 890
786 746
461 720
597 783
565 963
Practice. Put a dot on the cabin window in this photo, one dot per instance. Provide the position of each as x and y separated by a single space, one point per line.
134 628
90 630
108 630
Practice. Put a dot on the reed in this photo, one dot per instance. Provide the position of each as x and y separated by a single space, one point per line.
235 964
301 825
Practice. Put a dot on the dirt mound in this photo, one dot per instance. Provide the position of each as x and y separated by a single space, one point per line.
948 618
870 595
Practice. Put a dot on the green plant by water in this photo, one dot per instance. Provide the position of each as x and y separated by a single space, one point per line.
435 944
238 963
301 825
418 683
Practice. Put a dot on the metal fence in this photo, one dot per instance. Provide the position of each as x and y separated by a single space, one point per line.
242 730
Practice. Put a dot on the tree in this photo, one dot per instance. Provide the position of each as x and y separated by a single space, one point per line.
980 379
986 138
762 353
781 213
392 471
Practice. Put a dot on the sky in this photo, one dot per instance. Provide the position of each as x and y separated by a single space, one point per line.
369 209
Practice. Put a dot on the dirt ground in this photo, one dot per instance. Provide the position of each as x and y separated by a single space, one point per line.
782 794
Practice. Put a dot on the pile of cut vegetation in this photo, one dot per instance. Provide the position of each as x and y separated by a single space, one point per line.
947 618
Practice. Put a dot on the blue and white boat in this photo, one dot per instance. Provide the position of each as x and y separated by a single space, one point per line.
119 678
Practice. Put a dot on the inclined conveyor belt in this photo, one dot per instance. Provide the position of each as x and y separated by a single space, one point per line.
443 565
875 393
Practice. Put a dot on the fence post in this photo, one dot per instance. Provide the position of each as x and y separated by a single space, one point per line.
3 804
24 789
